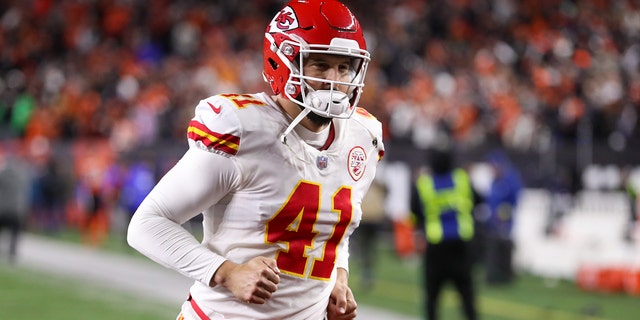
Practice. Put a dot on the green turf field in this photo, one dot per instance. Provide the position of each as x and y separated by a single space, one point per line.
27 295
397 287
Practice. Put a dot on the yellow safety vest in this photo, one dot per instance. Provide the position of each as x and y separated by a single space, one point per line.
458 198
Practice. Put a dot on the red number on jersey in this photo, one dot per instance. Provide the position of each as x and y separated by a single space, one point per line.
243 100
294 225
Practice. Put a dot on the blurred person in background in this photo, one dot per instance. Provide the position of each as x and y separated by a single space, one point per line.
138 180
279 179
442 202
502 201
15 190
93 191
94 227
367 235
52 186
631 185
564 185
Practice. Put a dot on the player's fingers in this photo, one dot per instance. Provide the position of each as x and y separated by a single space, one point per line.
341 304
271 276
346 316
334 314
351 307
256 300
352 304
347 305
260 296
269 283
272 264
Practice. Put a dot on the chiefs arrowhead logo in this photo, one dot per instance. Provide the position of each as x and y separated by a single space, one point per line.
285 20
357 162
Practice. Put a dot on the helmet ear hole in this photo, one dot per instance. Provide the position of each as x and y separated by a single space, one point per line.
273 63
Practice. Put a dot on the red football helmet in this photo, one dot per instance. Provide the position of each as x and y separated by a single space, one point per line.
315 26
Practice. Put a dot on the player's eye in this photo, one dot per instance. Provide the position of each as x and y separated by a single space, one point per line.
344 68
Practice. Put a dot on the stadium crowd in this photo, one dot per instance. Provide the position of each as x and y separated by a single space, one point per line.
96 81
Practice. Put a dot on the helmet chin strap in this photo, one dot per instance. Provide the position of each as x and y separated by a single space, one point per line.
293 124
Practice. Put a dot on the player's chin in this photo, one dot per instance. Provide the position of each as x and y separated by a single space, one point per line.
318 119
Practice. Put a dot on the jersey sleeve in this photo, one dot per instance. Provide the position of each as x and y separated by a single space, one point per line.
196 182
205 174
215 127
342 260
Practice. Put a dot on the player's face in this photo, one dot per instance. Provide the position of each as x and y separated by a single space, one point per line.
329 67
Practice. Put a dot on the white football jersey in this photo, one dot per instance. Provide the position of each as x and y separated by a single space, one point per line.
288 201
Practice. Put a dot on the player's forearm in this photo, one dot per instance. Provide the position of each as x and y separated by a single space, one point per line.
342 276
167 243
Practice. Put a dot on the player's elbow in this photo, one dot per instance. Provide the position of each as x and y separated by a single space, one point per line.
134 232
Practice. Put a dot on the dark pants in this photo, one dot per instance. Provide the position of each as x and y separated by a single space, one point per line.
12 223
499 255
449 261
366 237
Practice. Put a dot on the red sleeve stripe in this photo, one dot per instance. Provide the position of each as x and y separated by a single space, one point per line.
227 143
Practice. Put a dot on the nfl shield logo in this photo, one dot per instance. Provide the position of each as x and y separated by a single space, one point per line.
322 162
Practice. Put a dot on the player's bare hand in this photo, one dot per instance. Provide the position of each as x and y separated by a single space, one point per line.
342 304
251 282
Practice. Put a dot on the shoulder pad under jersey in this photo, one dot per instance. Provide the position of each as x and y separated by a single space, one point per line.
216 126
373 125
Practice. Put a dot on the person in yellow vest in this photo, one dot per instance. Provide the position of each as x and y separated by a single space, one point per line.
442 201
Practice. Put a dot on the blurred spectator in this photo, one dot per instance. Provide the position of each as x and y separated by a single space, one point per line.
631 185
52 186
520 70
93 198
397 177
502 201
564 185
139 179
94 224
367 235
15 187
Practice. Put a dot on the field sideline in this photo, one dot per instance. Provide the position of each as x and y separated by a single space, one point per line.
115 274
29 294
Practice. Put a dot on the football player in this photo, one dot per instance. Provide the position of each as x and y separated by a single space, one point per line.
279 179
